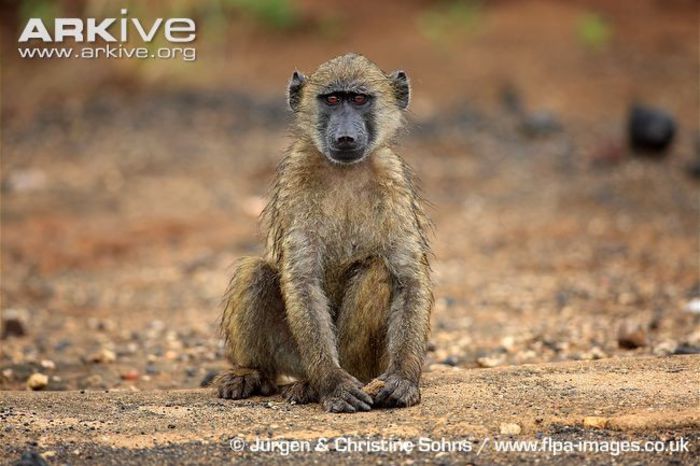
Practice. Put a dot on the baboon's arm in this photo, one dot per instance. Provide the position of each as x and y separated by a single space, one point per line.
409 317
307 306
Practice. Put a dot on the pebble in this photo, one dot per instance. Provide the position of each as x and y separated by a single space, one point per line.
594 353
373 388
14 323
510 429
665 348
540 123
650 130
48 364
450 361
104 356
693 306
37 381
595 422
130 375
491 361
508 342
631 335
687 349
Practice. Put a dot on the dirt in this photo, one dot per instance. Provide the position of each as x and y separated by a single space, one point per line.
560 257
641 399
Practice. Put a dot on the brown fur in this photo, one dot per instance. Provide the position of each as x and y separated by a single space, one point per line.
343 293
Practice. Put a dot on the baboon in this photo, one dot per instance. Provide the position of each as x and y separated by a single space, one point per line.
343 294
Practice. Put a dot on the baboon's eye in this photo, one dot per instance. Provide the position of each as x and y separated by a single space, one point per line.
359 99
332 99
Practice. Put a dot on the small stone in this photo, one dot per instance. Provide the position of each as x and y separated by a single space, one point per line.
491 361
373 388
693 306
687 349
508 342
595 422
631 335
665 348
450 361
650 130
540 123
104 356
510 429
594 353
8 373
94 380
37 381
130 375
48 364
13 323
101 325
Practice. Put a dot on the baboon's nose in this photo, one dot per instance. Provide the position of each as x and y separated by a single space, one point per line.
345 142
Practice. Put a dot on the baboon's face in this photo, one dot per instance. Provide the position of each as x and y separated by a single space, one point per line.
348 107
345 125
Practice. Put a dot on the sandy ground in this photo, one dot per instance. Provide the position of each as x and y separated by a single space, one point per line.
631 399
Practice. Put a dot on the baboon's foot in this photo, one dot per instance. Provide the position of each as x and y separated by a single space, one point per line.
299 393
240 383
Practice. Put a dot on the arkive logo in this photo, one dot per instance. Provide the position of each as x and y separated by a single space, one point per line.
88 30
115 33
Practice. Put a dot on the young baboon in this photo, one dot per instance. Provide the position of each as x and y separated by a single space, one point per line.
343 294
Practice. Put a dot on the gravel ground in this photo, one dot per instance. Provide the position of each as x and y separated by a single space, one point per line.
629 399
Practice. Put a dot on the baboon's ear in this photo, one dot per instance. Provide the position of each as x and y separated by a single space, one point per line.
295 86
402 90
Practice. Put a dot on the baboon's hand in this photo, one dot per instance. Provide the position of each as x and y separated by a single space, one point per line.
397 392
346 397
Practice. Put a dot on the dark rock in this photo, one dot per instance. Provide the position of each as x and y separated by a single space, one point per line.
62 345
31 458
631 335
650 130
540 123
687 349
13 323
450 361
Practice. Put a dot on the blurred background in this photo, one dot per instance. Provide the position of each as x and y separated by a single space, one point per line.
557 141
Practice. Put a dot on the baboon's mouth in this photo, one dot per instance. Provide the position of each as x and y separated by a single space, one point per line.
346 156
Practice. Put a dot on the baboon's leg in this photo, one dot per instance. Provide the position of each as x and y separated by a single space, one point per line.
299 393
258 341
362 321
